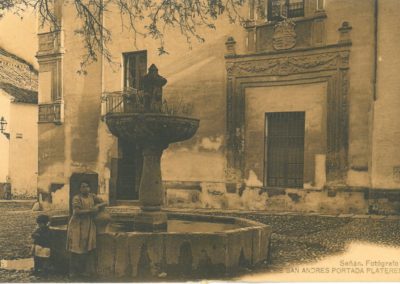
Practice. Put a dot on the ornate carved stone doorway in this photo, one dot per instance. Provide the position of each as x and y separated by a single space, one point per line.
327 64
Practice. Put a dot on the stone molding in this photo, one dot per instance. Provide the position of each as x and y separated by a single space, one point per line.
285 65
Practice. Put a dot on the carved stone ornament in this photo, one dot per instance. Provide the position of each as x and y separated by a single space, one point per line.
229 68
284 65
284 35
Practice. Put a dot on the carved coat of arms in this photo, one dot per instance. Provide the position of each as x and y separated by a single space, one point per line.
284 35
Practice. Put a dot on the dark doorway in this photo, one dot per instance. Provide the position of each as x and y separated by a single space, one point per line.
129 171
284 155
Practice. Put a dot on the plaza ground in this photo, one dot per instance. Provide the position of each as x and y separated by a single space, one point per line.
311 241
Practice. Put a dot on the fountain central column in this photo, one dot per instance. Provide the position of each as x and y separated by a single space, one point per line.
151 191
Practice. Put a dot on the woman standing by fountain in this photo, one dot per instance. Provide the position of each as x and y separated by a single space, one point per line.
81 235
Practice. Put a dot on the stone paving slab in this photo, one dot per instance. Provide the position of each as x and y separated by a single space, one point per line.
327 215
18 201
345 215
311 214
377 217
282 213
392 217
359 216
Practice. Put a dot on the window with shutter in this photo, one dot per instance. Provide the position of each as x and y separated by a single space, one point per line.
135 65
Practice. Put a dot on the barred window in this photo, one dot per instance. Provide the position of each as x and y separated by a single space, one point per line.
279 9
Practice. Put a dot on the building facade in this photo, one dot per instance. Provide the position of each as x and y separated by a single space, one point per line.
298 111
18 118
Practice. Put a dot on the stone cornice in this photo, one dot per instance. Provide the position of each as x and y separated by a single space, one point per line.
293 62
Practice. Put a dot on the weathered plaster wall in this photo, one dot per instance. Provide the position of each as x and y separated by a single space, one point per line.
360 15
51 136
386 130
274 200
82 106
23 149
50 155
199 80
5 101
308 98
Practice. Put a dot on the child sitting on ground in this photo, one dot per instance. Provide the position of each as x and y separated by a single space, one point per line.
41 244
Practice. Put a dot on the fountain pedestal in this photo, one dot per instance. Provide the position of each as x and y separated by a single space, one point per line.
151 191
147 221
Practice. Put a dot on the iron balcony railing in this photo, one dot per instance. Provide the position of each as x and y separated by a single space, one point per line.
130 101
51 112
137 101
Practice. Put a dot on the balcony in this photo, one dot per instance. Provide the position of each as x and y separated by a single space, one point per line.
136 101
51 112
123 102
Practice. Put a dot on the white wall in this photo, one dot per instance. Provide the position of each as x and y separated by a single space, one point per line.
4 142
23 148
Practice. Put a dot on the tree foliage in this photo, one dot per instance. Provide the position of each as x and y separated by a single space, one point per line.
145 18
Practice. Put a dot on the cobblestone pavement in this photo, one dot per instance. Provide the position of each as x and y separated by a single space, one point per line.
295 238
17 224
300 239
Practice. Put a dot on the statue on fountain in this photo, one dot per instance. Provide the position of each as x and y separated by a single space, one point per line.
152 87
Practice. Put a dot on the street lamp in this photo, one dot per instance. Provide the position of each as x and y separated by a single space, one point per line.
3 124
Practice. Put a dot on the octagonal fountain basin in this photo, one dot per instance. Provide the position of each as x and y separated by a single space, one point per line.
194 246
151 127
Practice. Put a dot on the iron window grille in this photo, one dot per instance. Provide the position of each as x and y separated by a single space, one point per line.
280 9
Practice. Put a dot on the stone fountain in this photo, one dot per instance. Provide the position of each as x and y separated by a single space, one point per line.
153 132
156 242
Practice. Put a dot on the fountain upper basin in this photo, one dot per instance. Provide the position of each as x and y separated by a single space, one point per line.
151 127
